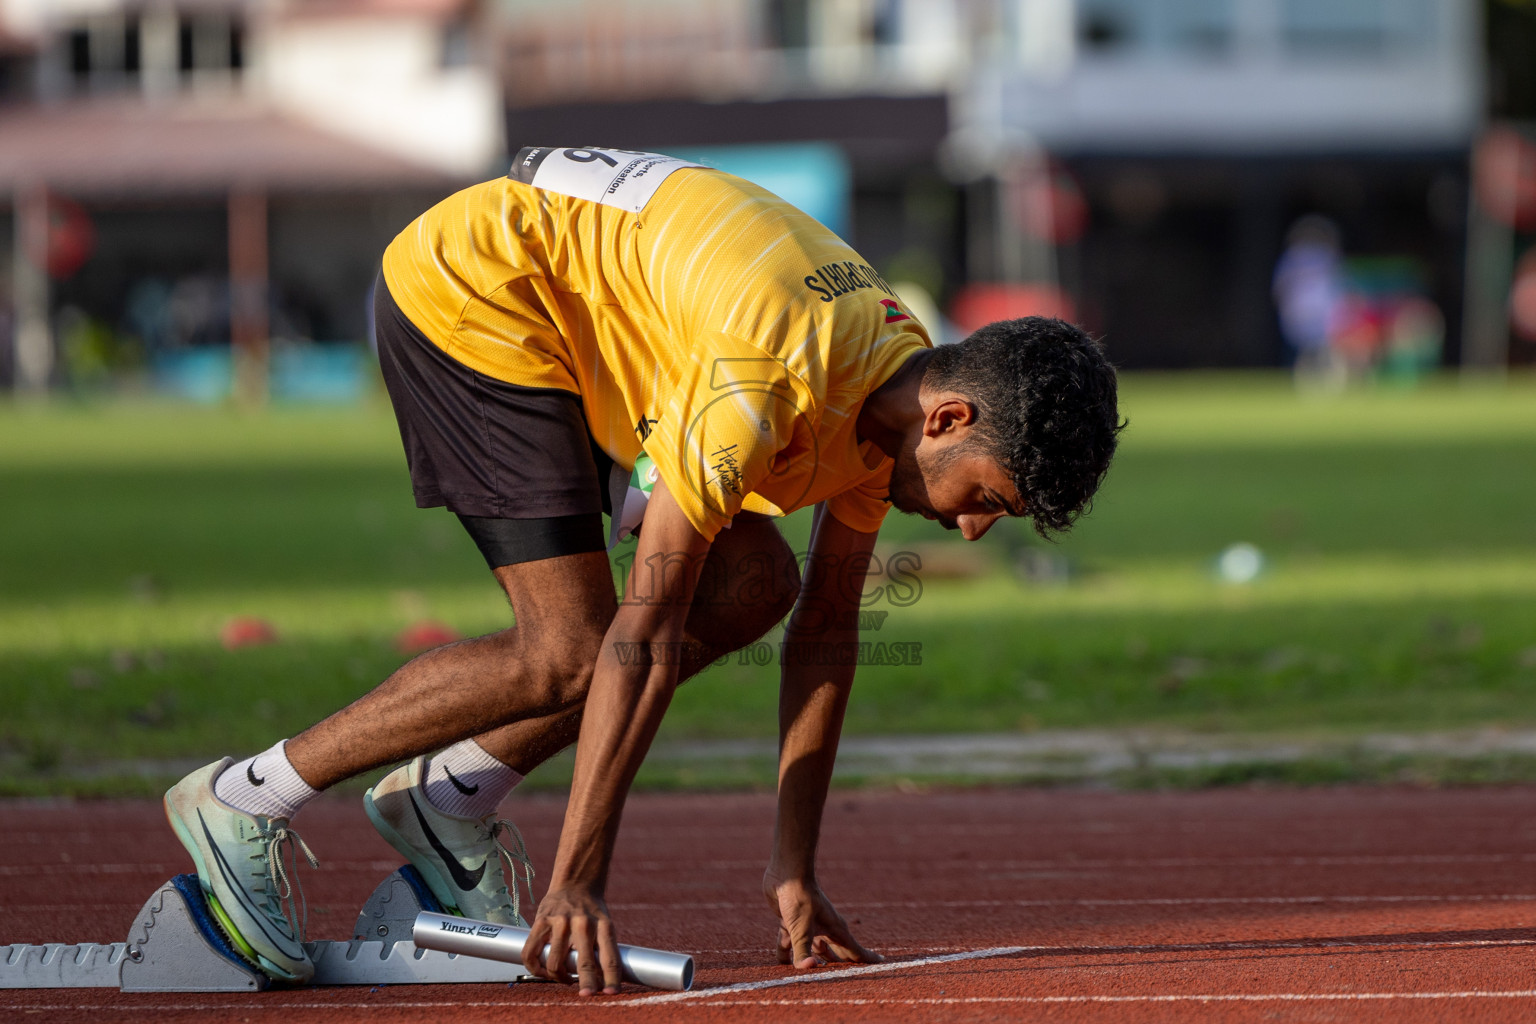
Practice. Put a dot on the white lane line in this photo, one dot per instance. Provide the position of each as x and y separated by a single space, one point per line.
1255 945
837 975
1171 901
1261 945
1252 945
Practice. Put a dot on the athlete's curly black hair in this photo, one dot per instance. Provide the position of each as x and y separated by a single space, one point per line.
1045 398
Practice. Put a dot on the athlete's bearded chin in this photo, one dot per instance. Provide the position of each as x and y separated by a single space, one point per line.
909 491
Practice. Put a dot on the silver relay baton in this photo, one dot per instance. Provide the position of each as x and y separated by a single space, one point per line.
653 968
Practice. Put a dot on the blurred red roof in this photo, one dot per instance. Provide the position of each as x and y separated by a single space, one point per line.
129 148
11 43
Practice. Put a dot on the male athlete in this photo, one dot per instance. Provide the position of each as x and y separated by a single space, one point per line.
556 342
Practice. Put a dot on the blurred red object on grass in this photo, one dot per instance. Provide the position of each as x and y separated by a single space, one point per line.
247 631
424 635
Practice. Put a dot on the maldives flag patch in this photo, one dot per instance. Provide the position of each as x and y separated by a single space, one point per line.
893 313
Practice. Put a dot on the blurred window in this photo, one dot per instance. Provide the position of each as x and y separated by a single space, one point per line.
78 42
458 49
788 24
1109 24
885 22
185 59
1356 27
109 54
802 24
1176 27
131 48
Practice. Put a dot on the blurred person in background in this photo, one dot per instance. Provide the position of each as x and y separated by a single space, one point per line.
1311 294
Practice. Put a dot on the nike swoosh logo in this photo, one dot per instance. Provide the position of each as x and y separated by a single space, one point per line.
287 943
250 773
466 880
466 790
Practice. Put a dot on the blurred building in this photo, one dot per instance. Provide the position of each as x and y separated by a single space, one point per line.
186 172
742 83
1200 131
1133 163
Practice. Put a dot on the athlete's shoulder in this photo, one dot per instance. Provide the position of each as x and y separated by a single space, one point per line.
460 211
715 200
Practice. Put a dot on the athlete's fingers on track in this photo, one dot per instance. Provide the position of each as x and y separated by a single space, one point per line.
817 935
533 949
835 941
783 946
812 932
559 951
799 924
587 971
608 953
841 945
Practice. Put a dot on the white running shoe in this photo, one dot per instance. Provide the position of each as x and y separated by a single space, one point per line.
460 858
239 859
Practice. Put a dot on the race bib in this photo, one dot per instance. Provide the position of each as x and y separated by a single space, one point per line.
614 177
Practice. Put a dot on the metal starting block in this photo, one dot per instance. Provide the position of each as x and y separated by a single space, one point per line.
174 946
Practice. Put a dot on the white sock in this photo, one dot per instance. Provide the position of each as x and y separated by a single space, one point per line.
265 784
466 781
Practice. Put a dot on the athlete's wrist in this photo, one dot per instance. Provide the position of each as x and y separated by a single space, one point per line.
786 866
581 864
575 885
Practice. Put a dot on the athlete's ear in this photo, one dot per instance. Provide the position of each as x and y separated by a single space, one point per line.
948 412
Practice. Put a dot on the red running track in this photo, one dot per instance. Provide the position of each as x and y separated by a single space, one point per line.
1057 905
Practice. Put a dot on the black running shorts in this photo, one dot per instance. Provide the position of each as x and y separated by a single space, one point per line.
516 464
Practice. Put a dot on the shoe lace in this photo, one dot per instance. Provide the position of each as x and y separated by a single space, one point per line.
509 845
283 900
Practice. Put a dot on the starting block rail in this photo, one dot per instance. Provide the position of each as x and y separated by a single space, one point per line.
174 946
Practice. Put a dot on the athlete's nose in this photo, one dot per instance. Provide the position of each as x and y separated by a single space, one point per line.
976 527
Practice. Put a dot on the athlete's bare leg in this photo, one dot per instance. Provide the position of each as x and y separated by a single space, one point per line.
540 667
520 690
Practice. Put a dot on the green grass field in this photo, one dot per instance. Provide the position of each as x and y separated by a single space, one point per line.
1399 592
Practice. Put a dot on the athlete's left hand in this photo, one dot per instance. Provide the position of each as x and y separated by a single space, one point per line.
811 931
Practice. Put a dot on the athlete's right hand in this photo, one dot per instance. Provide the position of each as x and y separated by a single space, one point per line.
574 918
811 931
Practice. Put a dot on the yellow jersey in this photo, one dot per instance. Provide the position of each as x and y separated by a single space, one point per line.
701 319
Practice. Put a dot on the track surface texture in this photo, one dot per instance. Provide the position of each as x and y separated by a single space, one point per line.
1057 905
